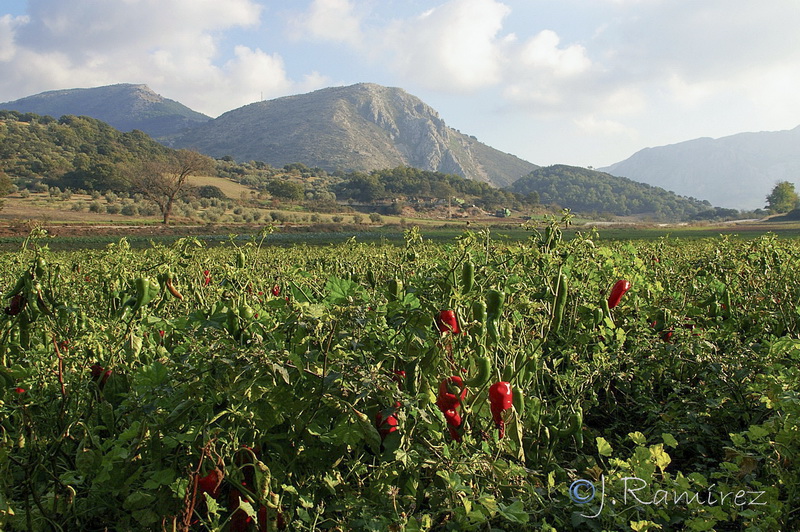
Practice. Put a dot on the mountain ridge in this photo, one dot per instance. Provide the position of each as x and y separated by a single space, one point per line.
125 106
736 171
359 127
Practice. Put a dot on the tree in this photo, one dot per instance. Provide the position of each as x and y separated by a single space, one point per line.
162 181
783 198
6 187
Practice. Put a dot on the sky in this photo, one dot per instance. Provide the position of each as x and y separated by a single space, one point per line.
579 82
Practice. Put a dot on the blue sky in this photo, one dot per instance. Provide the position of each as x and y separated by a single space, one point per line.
582 82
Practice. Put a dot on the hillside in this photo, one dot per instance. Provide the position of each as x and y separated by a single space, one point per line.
590 191
77 152
738 171
361 127
124 106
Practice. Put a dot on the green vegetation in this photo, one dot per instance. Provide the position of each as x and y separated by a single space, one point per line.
588 191
782 199
71 152
410 184
316 388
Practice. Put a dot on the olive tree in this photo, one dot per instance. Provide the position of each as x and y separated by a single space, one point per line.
163 181
783 198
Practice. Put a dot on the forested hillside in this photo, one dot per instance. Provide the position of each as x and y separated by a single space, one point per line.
589 191
76 152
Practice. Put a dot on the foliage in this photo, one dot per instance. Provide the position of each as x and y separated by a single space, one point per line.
275 363
405 183
782 199
74 152
162 181
589 191
210 191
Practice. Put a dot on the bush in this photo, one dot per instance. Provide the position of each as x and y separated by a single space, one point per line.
25 193
148 209
130 209
337 219
358 219
375 218
113 209
210 191
95 206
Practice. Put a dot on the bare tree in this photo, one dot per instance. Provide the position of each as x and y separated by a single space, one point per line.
162 181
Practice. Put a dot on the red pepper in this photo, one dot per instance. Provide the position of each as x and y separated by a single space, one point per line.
100 374
500 400
276 290
453 419
619 289
399 376
447 321
447 400
207 277
19 390
211 483
16 305
385 426
240 521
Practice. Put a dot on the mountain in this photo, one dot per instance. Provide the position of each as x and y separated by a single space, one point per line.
360 127
124 106
738 171
590 191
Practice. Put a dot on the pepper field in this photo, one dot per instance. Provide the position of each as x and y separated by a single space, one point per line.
300 388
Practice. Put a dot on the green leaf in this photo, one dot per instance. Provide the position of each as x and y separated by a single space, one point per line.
603 447
637 437
669 439
514 512
660 457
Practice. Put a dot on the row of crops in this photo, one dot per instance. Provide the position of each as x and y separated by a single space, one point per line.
473 385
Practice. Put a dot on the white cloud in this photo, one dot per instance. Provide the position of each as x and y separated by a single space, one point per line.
592 125
328 20
172 45
454 46
542 53
8 25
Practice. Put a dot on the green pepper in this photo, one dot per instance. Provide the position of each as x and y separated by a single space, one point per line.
395 288
246 311
560 303
240 259
479 311
484 369
495 299
492 332
41 267
467 277
142 292
519 402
